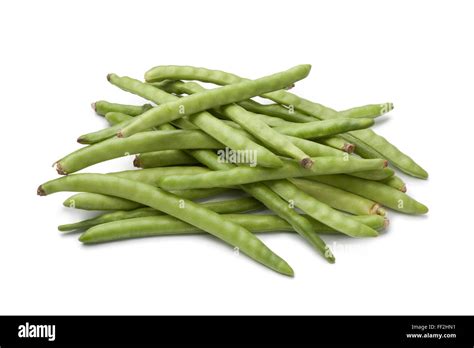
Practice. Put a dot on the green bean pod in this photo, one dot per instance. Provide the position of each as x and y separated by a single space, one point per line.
167 225
215 97
208 123
339 199
143 142
162 159
170 204
324 128
103 107
95 201
275 110
380 174
290 169
227 206
320 211
395 182
116 117
376 191
339 143
371 110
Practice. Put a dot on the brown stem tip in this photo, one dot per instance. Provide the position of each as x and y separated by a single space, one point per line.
81 140
307 163
385 164
290 86
119 134
349 148
94 107
403 188
136 162
386 223
40 191
108 77
60 169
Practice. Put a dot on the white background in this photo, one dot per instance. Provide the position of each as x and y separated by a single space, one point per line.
54 59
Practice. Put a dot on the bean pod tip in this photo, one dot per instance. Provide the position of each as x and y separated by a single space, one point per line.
40 191
307 163
136 162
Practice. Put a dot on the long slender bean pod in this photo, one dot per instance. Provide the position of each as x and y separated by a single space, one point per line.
102 107
204 120
376 191
324 128
290 169
116 117
320 211
338 199
371 110
95 201
170 204
143 142
339 143
216 97
227 206
167 225
275 110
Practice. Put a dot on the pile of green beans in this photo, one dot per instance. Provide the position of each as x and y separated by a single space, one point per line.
215 161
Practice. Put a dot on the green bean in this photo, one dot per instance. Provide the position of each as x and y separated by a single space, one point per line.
370 138
376 191
151 175
290 169
204 120
259 129
103 134
320 211
273 202
116 117
371 110
338 199
167 225
339 143
215 97
275 110
162 159
143 142
380 174
324 128
222 207
190 212
102 107
395 182
94 201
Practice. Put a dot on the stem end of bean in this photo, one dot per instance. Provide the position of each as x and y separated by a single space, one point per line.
60 169
136 162
82 140
40 191
386 223
94 106
385 164
403 188
307 163
349 148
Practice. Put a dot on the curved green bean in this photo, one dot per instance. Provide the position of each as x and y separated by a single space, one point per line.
216 128
320 211
275 110
290 169
103 107
95 201
190 212
167 225
116 117
379 174
376 191
215 97
325 128
339 199
143 142
222 207
339 143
